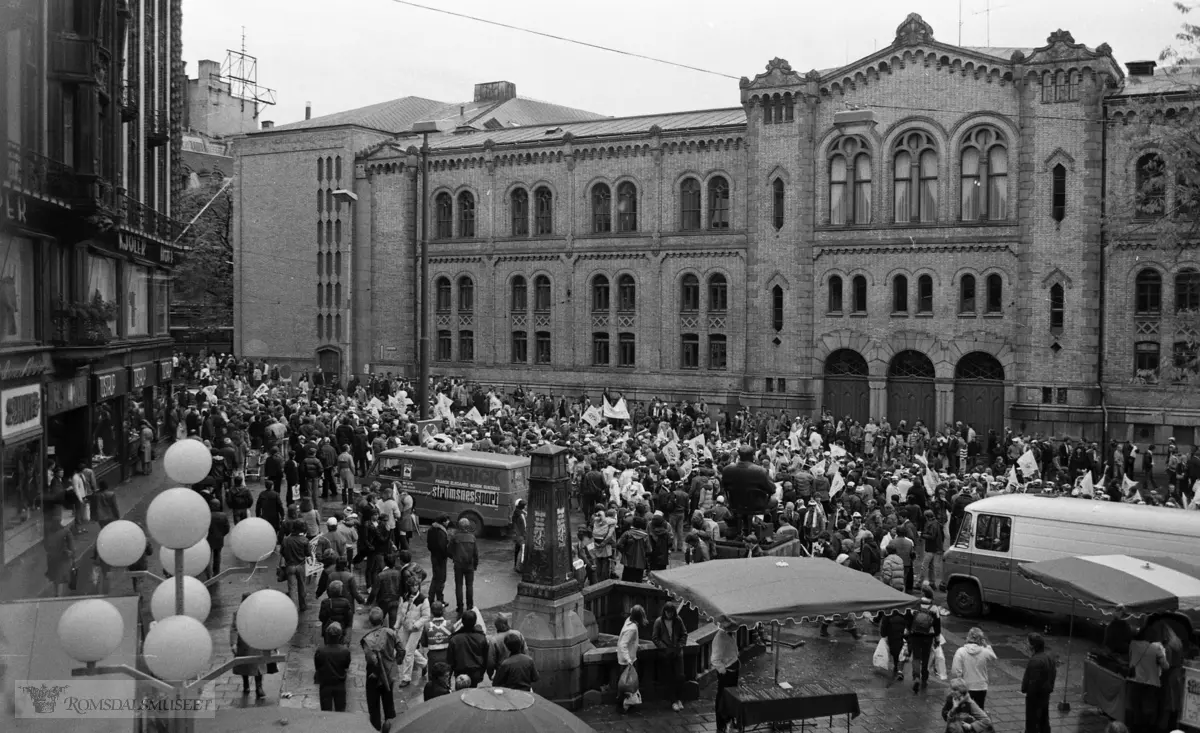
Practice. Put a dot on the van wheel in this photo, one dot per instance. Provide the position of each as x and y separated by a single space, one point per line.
964 599
477 526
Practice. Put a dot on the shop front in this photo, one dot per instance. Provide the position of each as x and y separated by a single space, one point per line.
22 439
165 399
142 405
67 422
109 440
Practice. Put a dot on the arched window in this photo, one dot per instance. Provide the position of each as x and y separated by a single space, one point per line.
601 208
689 204
777 200
849 183
626 294
337 167
718 203
1151 186
442 287
627 207
835 294
859 287
320 201
337 263
984 161
1187 290
916 167
520 295
966 294
995 294
718 294
777 308
466 215
320 265
600 299
925 294
320 318
519 208
1057 308
1058 193
541 294
544 200
328 233
444 215
329 169
689 300
337 232
466 295
320 169
900 294
329 263
337 326
329 204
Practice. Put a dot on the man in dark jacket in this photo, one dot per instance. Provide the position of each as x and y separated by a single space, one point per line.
1037 685
661 540
749 488
923 632
635 548
270 507
337 608
387 589
273 467
592 489
439 552
465 554
218 528
467 649
328 455
517 672
312 470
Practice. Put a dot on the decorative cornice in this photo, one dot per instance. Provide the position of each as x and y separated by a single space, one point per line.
526 258
707 253
907 248
449 260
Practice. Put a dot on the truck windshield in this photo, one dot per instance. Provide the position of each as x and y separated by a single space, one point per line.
964 532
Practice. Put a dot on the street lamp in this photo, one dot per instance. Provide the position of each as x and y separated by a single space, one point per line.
424 128
178 646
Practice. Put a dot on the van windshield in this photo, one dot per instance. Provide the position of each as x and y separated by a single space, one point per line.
964 532
383 463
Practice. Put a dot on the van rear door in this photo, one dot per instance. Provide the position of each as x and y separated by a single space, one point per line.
991 556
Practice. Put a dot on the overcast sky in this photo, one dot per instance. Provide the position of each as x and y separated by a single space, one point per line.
341 54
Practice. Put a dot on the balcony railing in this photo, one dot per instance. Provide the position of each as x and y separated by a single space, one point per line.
157 130
129 101
38 175
73 57
147 220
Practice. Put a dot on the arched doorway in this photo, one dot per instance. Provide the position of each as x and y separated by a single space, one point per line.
910 390
330 362
979 393
846 388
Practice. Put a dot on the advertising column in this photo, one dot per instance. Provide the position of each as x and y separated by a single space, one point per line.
108 434
22 436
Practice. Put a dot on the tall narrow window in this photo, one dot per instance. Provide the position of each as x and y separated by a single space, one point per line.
859 285
541 294
1057 308
915 179
689 205
900 294
995 294
777 199
984 176
966 294
600 300
768 112
545 211
718 203
443 295
689 300
1150 178
320 318
445 345
626 294
542 347
1187 290
777 308
599 349
320 295
690 351
1148 292
466 215
520 295
925 294
68 126
1058 194
519 208
601 208
627 207
444 208
337 296
835 294
466 295
466 346
850 183
718 294
520 348
718 352
626 350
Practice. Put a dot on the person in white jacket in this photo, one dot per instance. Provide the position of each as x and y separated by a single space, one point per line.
411 620
627 649
971 665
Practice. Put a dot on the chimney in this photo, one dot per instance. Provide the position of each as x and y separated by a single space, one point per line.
1141 68
308 110
267 124
495 91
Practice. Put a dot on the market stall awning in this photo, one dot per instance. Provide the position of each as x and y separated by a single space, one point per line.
1121 583
763 590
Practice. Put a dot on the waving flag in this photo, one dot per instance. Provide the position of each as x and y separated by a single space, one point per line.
837 484
619 411
1086 487
1027 463
592 416
474 416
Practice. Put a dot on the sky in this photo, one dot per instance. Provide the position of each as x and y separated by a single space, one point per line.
342 54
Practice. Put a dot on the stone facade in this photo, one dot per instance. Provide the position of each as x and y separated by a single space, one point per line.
971 298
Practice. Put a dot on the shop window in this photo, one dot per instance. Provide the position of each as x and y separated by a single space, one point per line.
23 491
18 290
137 301
994 533
108 436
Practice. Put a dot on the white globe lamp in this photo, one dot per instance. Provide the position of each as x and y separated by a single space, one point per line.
91 630
178 518
195 558
121 543
187 461
252 539
267 619
196 600
177 648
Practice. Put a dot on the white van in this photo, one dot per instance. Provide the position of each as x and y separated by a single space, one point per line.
1000 532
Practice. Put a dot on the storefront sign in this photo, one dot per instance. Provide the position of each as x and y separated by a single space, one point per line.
15 209
146 249
20 410
166 370
1190 715
142 376
67 395
133 245
111 384
21 368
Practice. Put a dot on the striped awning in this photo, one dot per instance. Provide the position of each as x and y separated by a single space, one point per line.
1121 583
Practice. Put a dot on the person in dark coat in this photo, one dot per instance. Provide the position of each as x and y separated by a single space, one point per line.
518 671
438 540
273 468
1037 685
218 528
291 476
465 553
270 507
242 649
331 665
661 539
467 649
749 488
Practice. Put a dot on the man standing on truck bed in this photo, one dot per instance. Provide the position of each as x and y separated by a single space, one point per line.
465 554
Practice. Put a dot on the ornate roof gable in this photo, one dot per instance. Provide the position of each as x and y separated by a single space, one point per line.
1061 47
778 74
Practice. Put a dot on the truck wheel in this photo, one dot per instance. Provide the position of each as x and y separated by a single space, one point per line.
964 599
477 526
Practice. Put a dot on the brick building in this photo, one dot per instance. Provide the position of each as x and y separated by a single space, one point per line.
830 242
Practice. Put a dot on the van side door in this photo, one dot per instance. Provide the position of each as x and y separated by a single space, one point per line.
991 560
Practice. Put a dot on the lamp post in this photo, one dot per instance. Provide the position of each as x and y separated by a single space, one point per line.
424 128
178 646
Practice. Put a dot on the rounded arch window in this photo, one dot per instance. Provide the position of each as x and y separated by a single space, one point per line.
909 364
846 363
979 365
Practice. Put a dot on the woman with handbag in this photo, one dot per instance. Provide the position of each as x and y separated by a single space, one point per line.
628 693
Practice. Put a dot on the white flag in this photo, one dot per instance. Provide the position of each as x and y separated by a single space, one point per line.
592 416
211 390
494 403
619 411
262 390
474 416
819 468
1027 463
1086 487
1013 483
1127 486
837 451
671 451
837 484
374 404
794 439
931 480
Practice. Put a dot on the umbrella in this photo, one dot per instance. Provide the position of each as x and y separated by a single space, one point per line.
494 710
292 720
